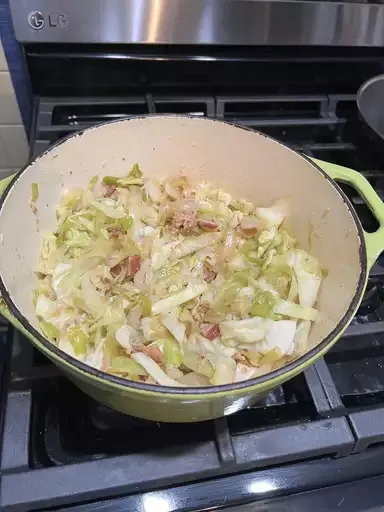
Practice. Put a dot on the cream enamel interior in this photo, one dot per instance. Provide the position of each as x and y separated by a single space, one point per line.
245 163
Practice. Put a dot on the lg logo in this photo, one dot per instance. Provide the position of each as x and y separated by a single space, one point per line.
36 20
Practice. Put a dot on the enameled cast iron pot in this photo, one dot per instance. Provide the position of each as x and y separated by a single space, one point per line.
247 164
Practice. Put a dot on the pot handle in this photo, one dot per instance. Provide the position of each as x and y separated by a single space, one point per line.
4 182
374 241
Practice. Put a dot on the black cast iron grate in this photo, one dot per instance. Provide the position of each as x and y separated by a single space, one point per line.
54 434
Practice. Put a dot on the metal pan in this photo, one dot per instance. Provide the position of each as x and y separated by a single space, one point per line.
370 102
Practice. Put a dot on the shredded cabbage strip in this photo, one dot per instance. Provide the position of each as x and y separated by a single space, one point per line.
174 283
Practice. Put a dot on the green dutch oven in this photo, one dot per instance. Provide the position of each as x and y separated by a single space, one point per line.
247 164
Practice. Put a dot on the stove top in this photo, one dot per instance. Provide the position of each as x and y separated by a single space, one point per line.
325 427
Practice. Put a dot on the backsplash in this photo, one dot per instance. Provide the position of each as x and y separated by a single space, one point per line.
13 141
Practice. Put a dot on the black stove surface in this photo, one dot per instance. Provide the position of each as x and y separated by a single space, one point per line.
324 428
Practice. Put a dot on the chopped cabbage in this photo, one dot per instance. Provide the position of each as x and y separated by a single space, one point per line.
309 276
238 263
274 215
175 283
248 330
153 329
171 351
301 336
49 330
244 372
127 366
127 337
287 308
176 299
198 364
279 335
264 304
78 339
225 371
193 244
174 326
154 370
61 270
45 307
109 208
35 192
193 379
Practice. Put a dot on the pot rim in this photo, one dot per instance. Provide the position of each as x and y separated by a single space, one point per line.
158 389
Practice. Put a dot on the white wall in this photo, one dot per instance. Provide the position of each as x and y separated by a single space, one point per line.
13 142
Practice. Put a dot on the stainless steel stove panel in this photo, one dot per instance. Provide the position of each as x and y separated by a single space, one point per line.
204 22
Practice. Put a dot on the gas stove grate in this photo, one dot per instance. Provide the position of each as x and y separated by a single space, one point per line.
52 431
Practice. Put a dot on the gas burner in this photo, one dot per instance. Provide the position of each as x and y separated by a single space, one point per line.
371 308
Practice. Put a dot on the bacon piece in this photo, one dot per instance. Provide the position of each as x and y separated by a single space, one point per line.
110 190
209 275
248 226
210 331
131 265
208 225
153 352
184 221
199 311
249 222
248 233
134 264
115 271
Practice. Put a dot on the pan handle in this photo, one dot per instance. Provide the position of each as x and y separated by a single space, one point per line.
4 183
374 241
